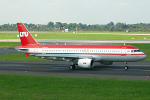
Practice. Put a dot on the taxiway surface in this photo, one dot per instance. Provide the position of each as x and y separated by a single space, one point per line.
137 70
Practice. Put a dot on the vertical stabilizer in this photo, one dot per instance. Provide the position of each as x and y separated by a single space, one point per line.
25 37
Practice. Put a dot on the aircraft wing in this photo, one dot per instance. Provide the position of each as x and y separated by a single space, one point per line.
65 57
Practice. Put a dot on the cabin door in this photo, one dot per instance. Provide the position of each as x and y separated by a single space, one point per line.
36 50
123 51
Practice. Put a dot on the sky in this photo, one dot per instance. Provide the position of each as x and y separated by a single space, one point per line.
74 11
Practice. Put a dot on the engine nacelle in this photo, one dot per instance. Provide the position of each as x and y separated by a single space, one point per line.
106 63
86 63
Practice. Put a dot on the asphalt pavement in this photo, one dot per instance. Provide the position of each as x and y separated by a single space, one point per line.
137 70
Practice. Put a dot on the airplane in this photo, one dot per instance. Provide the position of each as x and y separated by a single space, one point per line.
82 55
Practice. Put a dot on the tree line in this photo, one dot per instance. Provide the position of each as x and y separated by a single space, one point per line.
58 26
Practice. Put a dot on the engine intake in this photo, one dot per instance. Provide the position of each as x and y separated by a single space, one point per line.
86 63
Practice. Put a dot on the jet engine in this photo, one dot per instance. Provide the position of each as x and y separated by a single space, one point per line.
86 63
106 63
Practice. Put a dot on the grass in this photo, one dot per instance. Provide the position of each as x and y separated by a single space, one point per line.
31 87
56 32
9 44
78 36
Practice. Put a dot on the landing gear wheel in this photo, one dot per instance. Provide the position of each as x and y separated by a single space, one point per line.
126 67
72 67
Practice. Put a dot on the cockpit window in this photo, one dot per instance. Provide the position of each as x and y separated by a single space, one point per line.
132 50
135 51
138 51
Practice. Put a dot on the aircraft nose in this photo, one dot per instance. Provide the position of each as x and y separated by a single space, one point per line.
143 57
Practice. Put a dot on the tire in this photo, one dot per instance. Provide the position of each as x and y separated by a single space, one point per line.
72 67
126 68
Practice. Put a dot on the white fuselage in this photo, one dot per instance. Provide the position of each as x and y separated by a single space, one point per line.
118 55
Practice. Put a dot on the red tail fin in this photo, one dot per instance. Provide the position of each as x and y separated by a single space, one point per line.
25 37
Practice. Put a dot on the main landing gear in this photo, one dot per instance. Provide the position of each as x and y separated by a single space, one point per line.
126 66
72 67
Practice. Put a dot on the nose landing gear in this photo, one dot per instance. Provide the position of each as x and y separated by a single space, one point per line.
126 66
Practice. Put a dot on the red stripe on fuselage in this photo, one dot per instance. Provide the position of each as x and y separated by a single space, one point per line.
79 46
